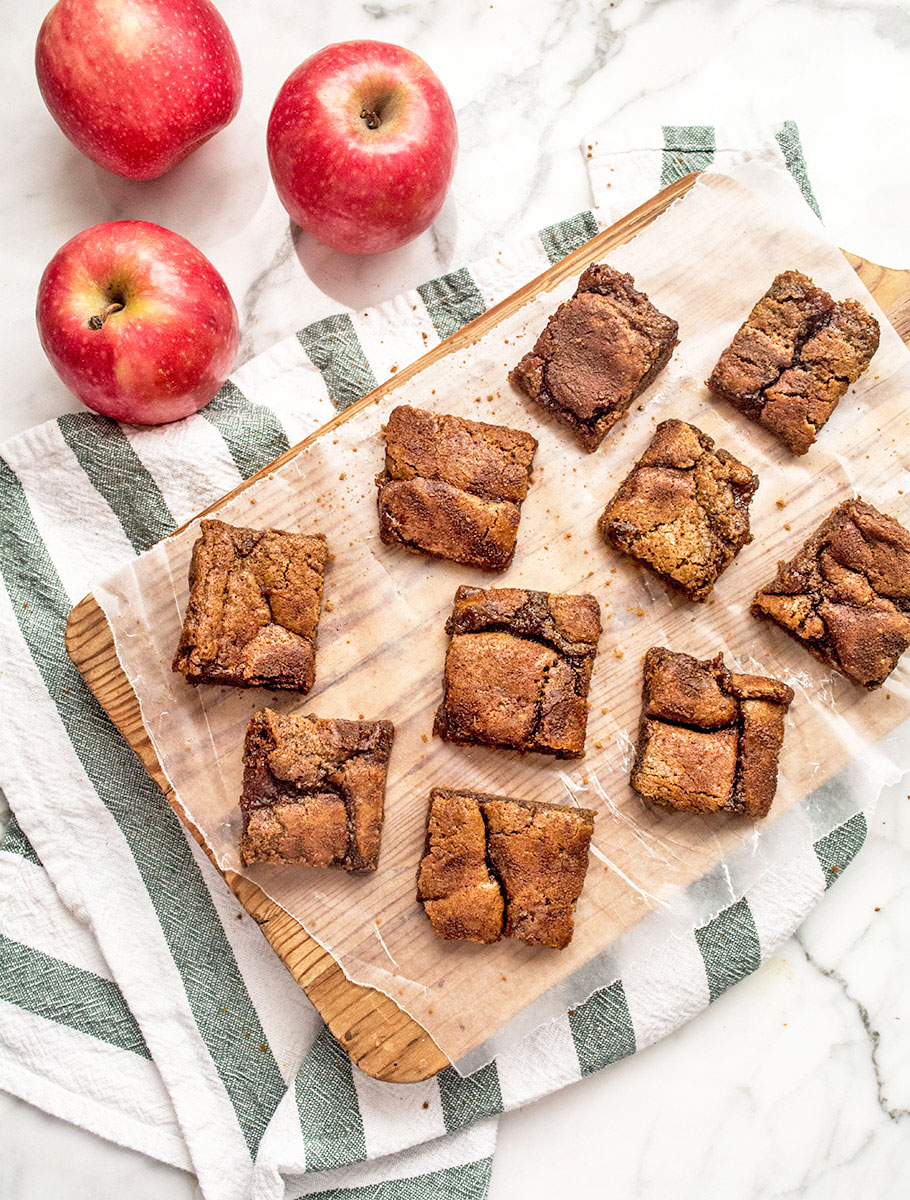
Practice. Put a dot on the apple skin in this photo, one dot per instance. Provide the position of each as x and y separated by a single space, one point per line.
137 85
359 189
166 352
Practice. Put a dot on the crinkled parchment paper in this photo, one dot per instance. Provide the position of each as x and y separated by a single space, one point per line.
382 642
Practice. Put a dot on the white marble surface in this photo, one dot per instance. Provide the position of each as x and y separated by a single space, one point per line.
797 1083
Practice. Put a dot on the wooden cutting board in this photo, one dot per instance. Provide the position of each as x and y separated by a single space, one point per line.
381 1038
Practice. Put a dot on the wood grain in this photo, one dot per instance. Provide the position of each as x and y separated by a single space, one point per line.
380 1037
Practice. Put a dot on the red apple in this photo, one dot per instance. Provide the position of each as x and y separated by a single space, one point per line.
362 143
138 84
137 322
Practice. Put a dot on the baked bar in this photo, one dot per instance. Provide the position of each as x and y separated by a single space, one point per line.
794 357
313 791
709 738
453 488
459 892
517 670
253 608
683 510
598 352
495 866
845 596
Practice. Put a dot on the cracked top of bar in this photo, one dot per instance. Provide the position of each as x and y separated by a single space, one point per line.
845 595
794 357
518 668
313 790
598 352
453 488
253 608
683 510
495 866
709 738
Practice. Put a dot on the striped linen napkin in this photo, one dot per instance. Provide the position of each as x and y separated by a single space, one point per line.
136 998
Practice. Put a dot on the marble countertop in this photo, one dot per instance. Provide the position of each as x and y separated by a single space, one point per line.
797 1082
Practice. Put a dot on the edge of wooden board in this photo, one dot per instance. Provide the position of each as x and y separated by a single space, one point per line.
383 1040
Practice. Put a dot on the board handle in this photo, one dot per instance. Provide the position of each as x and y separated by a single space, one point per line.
891 288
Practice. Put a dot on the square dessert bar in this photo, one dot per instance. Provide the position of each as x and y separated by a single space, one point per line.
794 357
517 670
709 738
453 488
313 791
598 352
683 510
845 596
253 609
495 867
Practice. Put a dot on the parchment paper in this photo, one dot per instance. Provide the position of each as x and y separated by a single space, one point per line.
382 642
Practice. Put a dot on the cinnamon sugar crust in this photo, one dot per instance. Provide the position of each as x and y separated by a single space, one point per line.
709 739
598 353
499 867
313 791
683 510
517 670
845 595
453 488
253 609
794 358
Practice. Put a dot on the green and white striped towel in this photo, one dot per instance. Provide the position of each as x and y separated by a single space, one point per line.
136 999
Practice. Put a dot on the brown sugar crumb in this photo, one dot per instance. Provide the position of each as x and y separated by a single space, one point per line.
794 358
845 595
597 354
253 608
499 867
313 791
781 503
709 739
453 488
517 670
683 510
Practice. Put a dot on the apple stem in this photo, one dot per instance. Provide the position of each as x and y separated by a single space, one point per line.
372 118
97 321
